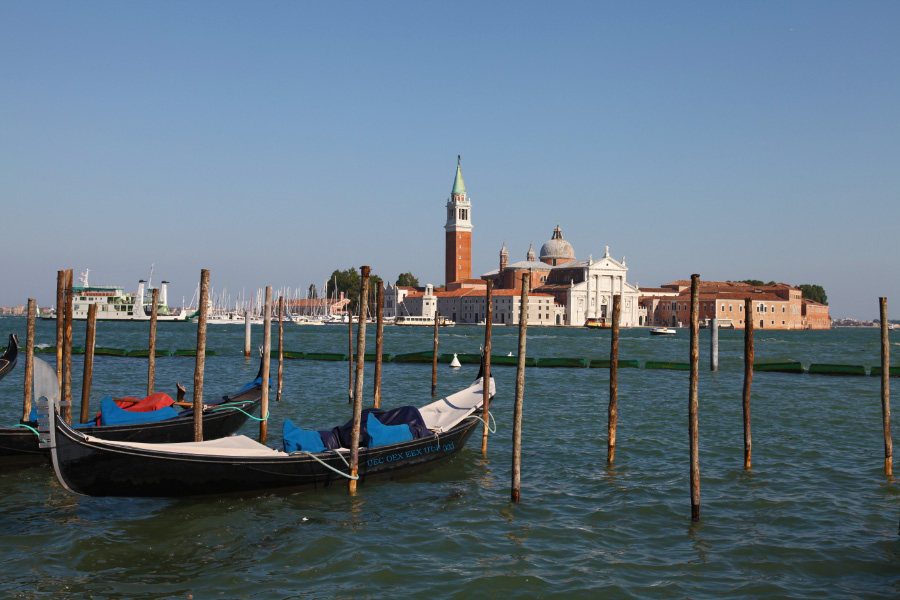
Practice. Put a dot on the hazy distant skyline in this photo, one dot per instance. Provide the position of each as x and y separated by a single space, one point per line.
275 142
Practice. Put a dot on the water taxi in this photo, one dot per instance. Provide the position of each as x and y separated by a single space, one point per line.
598 323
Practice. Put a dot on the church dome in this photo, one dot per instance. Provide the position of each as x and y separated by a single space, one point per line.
557 249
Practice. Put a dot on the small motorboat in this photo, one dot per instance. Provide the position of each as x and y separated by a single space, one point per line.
9 358
663 331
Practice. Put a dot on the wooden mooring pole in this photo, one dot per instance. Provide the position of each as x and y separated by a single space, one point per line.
713 344
693 402
748 377
520 392
266 361
885 388
379 341
358 387
29 358
60 326
151 353
486 381
246 333
67 352
280 348
434 358
613 381
200 362
90 338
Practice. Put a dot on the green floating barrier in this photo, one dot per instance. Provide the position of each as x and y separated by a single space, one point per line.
370 356
837 369
294 355
336 356
77 350
562 362
779 367
109 352
419 357
146 353
603 363
892 371
474 359
194 353
675 366
48 350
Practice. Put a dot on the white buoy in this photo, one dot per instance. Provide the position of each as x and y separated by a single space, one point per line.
455 362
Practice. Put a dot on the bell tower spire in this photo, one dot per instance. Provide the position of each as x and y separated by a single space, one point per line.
458 231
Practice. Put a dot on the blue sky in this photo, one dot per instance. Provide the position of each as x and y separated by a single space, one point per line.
272 142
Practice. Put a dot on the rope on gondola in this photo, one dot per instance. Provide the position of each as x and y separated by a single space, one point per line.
243 411
28 427
325 464
490 417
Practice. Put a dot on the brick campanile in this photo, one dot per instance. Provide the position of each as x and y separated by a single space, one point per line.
458 250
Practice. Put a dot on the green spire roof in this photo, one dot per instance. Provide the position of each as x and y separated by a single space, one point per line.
458 186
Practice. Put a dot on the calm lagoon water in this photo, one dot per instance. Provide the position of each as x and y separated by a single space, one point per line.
814 518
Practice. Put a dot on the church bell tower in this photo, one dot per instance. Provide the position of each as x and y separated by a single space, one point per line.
458 250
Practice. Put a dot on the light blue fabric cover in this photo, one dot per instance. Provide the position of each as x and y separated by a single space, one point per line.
378 434
112 414
295 439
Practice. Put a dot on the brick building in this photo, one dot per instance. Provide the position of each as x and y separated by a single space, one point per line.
778 306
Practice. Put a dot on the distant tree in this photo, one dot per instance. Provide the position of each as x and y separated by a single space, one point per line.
407 280
313 293
349 281
755 282
816 293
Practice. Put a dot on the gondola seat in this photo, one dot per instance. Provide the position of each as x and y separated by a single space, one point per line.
296 439
112 414
379 434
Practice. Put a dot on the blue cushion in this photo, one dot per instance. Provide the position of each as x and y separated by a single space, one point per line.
112 414
382 435
296 439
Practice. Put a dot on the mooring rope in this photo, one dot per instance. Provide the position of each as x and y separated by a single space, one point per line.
243 411
490 417
325 464
28 427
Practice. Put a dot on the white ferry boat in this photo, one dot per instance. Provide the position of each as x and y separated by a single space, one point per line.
114 304
423 321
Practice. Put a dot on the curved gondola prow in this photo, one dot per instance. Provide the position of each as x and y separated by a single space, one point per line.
10 357
46 392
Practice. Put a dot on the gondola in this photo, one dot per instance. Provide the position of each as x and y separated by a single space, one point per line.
238 465
9 358
19 446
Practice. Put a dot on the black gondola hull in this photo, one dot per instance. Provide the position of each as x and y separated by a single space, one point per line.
10 356
19 446
92 468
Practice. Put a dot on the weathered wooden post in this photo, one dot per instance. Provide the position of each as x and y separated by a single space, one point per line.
520 392
693 426
885 389
748 377
379 341
200 362
151 353
246 333
486 381
613 380
266 358
434 352
358 388
29 358
89 342
713 344
67 352
280 347
60 325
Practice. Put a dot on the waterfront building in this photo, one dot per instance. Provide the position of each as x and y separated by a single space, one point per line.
469 305
582 290
778 306
316 307
458 233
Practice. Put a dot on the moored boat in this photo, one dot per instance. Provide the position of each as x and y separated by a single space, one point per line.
10 356
19 445
598 323
411 320
87 465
